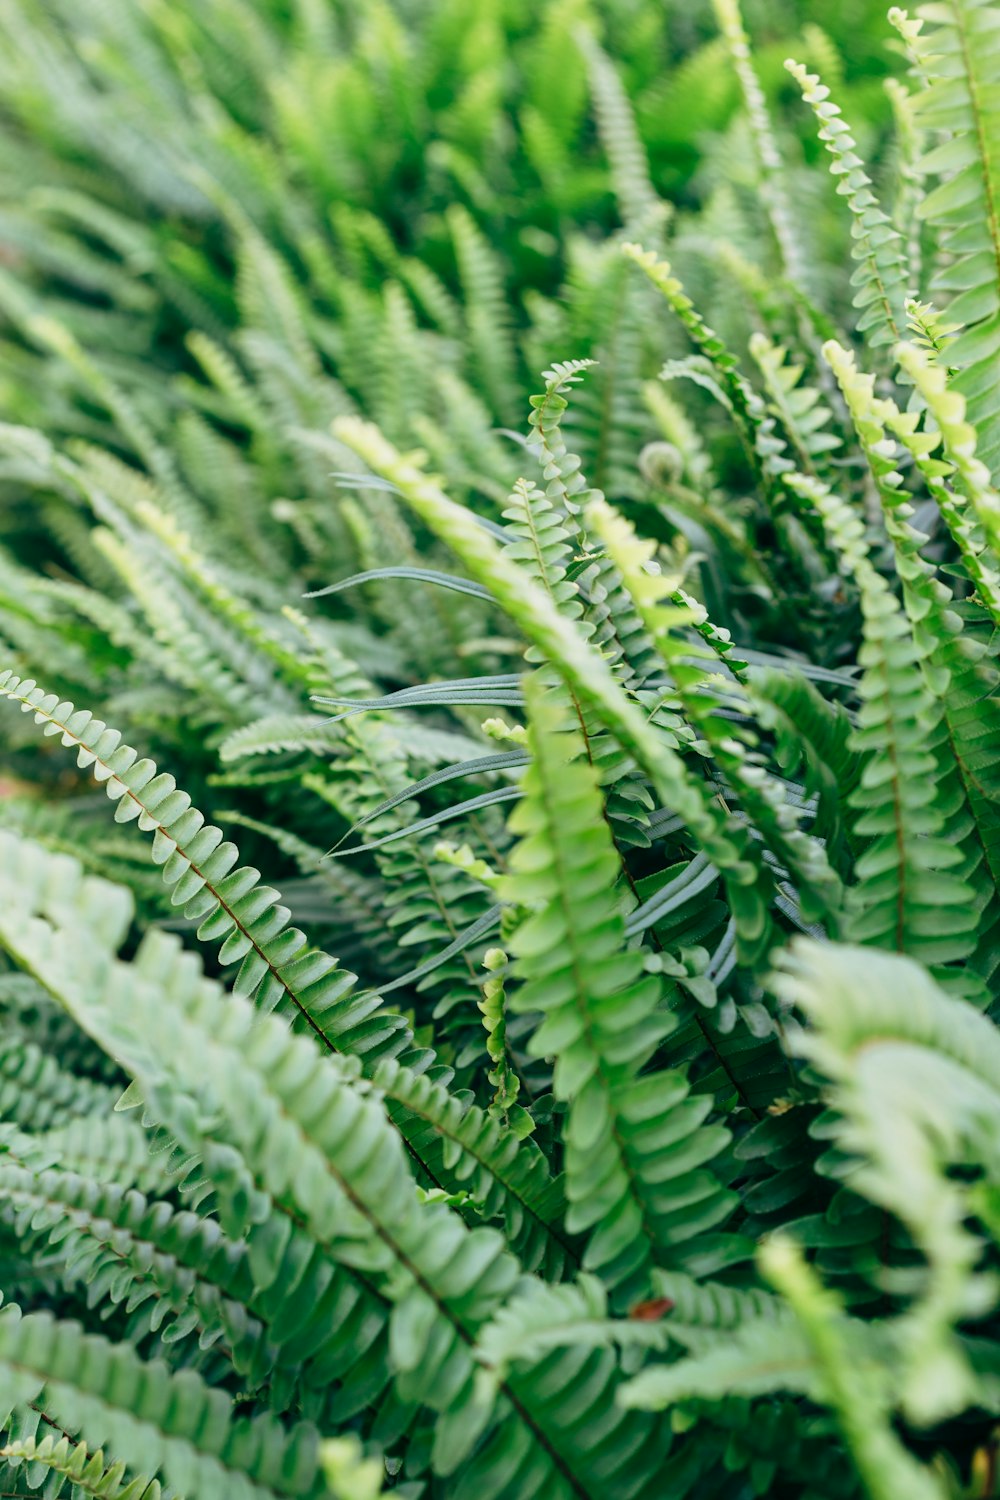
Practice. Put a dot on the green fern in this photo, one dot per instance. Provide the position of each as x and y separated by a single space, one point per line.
880 278
905 871
566 1195
956 50
619 1123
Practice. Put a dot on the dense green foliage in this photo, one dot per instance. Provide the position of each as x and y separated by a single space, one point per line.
633 744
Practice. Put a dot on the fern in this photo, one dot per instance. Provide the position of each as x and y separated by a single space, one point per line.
615 1128
880 278
596 1164
194 1436
84 1469
956 54
966 712
904 873
772 181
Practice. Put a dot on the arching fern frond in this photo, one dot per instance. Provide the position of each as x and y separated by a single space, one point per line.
584 670
960 441
880 279
957 48
277 966
967 713
635 1146
913 1083
270 1114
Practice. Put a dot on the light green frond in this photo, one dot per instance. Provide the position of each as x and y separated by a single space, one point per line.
880 279
948 657
906 896
580 666
913 1084
957 48
960 442
230 904
887 1469
308 1132
86 1470
756 1360
800 408
930 330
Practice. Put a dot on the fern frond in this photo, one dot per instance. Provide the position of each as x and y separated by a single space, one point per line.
757 429
186 652
543 1318
913 1076
505 1175
355 904
610 620
960 440
965 713
882 1461
277 966
930 330
317 1139
127 416
909 185
278 734
812 737
880 279
774 819
485 310
230 608
314 989
501 1075
755 1360
638 204
149 1417
800 408
906 897
86 1470
957 47
730 22
937 472
36 1091
177 1267
576 972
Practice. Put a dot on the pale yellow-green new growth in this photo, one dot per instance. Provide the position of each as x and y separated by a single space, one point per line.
349 1474
855 1392
580 664
947 407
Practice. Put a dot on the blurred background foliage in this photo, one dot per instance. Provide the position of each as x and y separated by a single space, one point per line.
224 224
143 142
